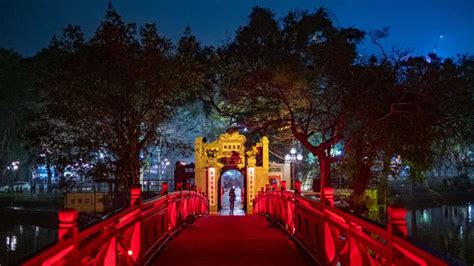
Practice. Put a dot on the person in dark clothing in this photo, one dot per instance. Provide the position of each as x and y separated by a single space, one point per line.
232 199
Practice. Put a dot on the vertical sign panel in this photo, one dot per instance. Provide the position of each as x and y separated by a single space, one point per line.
251 184
211 175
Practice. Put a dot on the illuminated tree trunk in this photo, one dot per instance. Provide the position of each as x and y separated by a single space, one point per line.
361 182
323 153
325 170
362 175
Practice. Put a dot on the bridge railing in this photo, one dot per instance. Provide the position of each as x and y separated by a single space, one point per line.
331 235
130 237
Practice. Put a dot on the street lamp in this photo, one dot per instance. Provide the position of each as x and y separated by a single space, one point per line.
14 166
293 157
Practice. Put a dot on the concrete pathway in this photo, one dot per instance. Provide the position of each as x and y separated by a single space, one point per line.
238 205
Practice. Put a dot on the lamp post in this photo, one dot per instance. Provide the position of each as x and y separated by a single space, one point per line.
292 158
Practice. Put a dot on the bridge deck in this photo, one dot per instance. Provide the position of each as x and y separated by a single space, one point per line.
231 240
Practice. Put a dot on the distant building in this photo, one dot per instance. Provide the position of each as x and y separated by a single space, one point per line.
278 172
184 173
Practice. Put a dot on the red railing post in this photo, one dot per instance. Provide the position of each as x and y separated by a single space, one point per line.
396 225
135 241
297 187
355 255
67 223
164 189
172 212
184 205
396 219
291 213
135 194
328 196
68 228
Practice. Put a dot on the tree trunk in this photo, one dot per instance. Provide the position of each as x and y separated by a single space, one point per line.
361 182
361 177
382 189
325 172
325 166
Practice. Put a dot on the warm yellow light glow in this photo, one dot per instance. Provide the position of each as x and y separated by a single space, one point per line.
211 173
251 184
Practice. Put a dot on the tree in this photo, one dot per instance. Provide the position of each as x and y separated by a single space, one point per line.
289 77
303 76
452 149
15 85
413 107
105 98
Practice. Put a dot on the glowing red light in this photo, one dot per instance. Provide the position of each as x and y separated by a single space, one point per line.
130 252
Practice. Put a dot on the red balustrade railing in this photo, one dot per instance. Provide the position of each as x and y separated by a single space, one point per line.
131 237
334 237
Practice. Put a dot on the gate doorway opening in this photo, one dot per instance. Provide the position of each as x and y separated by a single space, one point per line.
232 180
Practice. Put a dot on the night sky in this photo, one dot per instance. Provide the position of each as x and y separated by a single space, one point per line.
421 26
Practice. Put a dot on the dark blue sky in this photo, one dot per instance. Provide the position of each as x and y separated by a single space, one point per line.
28 25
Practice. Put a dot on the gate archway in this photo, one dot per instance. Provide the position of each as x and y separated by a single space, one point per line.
231 179
229 152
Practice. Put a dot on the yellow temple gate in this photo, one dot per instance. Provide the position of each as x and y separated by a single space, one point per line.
228 152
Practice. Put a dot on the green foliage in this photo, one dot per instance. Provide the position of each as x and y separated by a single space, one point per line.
286 78
413 108
417 171
110 95
188 122
301 77
311 159
129 90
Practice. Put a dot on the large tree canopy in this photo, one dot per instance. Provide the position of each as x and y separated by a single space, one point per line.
302 75
404 106
105 101
15 95
105 98
290 76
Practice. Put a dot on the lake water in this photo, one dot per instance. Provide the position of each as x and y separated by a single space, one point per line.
448 229
18 241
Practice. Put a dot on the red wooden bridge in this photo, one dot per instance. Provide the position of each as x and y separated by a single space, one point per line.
299 231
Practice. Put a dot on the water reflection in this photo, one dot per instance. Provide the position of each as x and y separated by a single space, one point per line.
448 229
469 212
19 241
11 243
